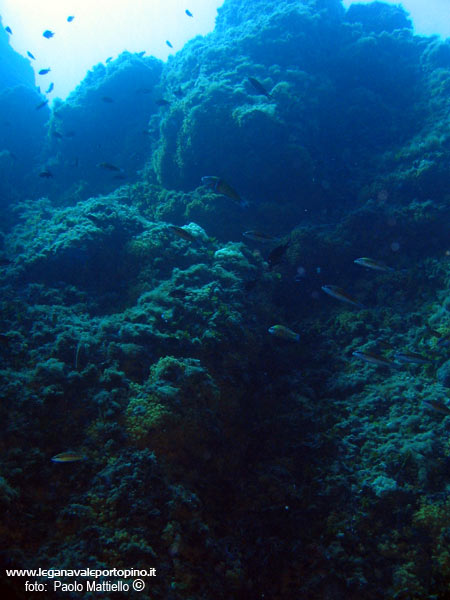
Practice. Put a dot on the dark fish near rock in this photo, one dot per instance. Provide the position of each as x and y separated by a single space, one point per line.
169 44
188 12
70 19
432 332
143 90
30 55
109 167
66 457
48 34
412 357
178 293
284 333
108 99
44 71
277 254
340 294
8 29
182 233
222 187
46 174
376 265
259 87
162 102
50 88
374 359
438 406
259 236
96 220
41 105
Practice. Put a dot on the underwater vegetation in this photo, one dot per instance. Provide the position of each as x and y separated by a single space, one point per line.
225 312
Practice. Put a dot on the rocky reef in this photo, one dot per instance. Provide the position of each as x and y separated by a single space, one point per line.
151 415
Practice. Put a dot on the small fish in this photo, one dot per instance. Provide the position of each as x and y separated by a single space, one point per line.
259 236
109 59
48 34
169 44
8 29
4 261
30 55
178 293
188 12
221 187
369 263
178 93
57 135
259 87
277 254
108 166
108 99
162 102
433 332
50 88
411 357
70 19
96 220
41 105
44 71
66 457
284 333
182 233
374 359
143 90
4 339
438 406
340 294
46 174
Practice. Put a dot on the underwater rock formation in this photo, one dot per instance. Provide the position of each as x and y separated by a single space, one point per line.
91 147
135 314
343 96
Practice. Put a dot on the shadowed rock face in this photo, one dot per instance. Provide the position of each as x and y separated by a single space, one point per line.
344 90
